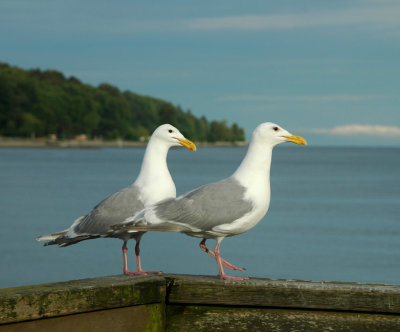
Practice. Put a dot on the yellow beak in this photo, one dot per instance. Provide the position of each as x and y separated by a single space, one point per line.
186 143
296 139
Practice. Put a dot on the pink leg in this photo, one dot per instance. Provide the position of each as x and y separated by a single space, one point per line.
139 270
223 261
222 274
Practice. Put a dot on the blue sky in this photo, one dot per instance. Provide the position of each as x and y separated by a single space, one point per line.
328 70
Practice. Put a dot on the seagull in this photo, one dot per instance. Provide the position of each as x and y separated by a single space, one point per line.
225 208
153 184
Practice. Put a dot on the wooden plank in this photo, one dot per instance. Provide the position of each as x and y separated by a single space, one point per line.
182 318
316 298
140 318
64 298
284 294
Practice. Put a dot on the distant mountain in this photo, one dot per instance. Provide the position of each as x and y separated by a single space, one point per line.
36 103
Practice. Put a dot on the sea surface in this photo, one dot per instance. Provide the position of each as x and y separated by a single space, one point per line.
334 214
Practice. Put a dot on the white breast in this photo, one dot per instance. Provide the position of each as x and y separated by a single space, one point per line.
157 191
259 195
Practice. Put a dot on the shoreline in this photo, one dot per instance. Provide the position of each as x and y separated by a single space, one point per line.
93 144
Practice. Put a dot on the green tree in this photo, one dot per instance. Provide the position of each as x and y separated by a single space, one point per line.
167 114
30 126
40 103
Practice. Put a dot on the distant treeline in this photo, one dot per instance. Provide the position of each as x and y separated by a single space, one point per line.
36 103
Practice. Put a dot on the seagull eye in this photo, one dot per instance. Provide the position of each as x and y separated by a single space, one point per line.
275 128
170 131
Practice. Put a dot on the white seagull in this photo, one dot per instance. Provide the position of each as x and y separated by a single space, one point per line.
221 209
153 184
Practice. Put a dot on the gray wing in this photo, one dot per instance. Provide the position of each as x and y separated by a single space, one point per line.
206 207
113 209
110 211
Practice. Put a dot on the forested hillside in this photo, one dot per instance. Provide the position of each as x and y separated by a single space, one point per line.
35 103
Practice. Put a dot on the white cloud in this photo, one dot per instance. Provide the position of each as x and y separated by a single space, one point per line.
301 98
63 17
360 130
387 15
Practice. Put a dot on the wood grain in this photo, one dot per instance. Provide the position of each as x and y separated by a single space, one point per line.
284 294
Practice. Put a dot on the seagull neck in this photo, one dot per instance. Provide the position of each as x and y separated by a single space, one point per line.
256 165
154 163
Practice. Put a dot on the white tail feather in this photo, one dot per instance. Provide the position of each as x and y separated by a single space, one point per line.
51 237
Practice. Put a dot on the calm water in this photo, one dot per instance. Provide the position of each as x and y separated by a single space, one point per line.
334 214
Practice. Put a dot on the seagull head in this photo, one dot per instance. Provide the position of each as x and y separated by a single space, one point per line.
274 134
173 137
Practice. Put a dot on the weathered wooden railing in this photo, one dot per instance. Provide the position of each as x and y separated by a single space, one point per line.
194 303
